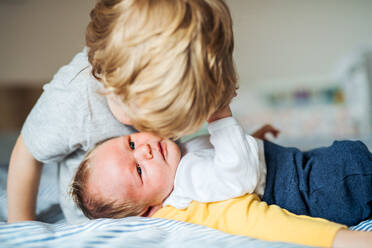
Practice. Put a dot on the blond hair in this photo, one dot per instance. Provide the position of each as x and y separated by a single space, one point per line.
96 206
169 61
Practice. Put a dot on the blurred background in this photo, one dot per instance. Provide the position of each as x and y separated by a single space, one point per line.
304 66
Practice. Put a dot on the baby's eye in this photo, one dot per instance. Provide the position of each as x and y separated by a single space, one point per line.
131 145
139 170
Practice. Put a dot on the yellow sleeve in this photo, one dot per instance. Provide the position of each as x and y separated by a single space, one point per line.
249 216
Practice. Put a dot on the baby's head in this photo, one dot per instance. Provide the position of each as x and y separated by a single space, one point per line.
126 176
170 62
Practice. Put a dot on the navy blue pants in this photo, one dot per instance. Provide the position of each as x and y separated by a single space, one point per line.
332 182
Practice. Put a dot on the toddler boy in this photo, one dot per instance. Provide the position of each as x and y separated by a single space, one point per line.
161 66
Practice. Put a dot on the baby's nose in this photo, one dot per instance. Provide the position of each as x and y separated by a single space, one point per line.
143 152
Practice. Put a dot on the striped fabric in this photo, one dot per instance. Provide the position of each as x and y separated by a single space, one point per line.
127 232
363 226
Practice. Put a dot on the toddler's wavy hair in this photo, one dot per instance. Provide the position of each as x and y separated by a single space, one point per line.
169 61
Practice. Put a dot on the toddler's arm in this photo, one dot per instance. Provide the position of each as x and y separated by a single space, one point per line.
23 183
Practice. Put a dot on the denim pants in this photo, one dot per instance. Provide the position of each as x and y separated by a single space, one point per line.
332 182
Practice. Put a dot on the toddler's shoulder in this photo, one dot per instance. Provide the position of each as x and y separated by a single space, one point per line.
76 74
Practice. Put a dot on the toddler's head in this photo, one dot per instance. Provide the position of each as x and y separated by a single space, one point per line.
126 176
168 61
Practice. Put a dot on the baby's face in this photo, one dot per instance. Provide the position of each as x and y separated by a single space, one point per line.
140 167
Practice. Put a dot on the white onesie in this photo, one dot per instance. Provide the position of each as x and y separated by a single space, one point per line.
225 164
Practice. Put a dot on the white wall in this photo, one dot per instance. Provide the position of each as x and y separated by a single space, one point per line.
39 36
274 38
296 38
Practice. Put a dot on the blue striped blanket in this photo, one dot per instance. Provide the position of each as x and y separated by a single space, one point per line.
128 232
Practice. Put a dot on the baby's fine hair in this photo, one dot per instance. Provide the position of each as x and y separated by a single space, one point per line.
170 62
96 206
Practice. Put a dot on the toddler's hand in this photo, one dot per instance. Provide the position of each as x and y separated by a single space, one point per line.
219 114
260 133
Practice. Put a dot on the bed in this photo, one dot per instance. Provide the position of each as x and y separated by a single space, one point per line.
127 232
52 231
331 122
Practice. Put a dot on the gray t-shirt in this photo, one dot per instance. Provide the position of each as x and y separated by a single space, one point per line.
69 118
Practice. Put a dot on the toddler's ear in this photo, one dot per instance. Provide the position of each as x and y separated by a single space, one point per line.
125 120
117 109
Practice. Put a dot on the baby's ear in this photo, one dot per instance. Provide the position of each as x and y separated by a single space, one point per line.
150 211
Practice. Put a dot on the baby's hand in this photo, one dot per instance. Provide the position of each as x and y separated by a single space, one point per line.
260 133
219 114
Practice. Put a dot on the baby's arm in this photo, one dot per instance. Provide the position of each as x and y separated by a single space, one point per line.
23 183
235 163
248 216
347 238
231 169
